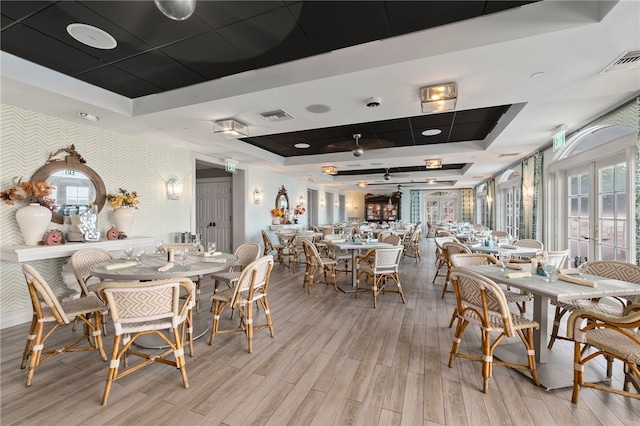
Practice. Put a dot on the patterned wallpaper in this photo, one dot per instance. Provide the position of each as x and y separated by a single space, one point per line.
121 160
468 205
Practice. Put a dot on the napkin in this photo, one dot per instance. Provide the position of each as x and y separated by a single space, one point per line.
516 266
166 267
338 241
524 274
215 253
214 260
578 281
569 271
119 265
508 246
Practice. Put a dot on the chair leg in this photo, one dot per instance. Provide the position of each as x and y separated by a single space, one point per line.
453 317
218 307
396 278
249 327
113 369
267 314
462 325
179 355
577 372
28 346
446 282
487 360
36 351
556 325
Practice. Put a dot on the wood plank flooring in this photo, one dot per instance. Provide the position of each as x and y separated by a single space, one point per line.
334 360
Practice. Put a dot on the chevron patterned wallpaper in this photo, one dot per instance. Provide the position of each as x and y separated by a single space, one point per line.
121 160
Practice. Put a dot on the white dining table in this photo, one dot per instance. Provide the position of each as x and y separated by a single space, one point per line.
496 250
555 368
354 248
195 265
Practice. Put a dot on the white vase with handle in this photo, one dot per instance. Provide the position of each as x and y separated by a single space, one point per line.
33 221
123 219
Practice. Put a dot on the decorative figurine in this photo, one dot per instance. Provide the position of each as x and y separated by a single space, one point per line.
89 224
53 238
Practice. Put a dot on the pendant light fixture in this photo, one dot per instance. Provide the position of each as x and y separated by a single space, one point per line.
357 151
178 10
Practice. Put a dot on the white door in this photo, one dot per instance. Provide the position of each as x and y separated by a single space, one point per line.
213 213
597 205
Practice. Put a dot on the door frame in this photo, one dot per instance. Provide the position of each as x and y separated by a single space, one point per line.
239 193
555 212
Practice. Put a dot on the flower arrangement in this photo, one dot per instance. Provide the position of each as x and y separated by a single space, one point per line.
123 198
29 193
299 210
277 212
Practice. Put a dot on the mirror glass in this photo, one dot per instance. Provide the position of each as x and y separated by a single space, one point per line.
282 199
77 187
74 192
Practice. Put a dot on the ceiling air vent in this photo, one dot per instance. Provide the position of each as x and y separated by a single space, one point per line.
279 115
509 154
626 61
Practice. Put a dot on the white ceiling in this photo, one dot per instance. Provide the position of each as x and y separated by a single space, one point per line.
493 59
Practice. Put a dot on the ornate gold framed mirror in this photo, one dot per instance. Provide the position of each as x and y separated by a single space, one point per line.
282 199
77 186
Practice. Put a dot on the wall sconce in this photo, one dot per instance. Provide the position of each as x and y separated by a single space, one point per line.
174 189
434 163
257 197
439 98
529 192
322 202
337 203
329 170
361 184
230 128
301 200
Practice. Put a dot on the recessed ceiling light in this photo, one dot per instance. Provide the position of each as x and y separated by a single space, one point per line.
89 117
431 132
92 36
318 108
302 145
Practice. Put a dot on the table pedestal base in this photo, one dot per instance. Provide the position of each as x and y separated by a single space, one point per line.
556 373
151 341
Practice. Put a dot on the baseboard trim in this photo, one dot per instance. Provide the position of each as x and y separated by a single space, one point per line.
21 316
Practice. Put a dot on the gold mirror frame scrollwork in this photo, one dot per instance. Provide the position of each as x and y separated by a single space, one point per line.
72 163
282 193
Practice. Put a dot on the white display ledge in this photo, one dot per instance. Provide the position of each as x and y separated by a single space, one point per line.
30 253
287 226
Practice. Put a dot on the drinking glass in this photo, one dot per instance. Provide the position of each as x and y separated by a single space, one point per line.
159 246
211 247
128 250
139 256
181 256
548 270
581 270
504 258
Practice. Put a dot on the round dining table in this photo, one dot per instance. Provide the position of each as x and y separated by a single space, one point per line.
155 267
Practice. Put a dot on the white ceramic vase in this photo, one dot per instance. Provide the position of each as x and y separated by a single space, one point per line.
123 219
33 221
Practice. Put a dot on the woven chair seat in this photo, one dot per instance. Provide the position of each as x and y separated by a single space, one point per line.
614 343
223 296
75 307
136 327
603 308
228 277
515 297
497 323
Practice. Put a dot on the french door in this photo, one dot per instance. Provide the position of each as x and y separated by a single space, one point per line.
440 209
597 210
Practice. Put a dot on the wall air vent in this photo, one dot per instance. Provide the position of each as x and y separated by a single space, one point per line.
509 154
625 61
279 115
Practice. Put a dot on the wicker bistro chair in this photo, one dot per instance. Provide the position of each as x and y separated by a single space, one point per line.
441 261
469 259
383 268
81 263
297 247
528 243
195 247
481 302
246 253
412 246
622 271
614 337
449 249
252 287
339 255
139 309
269 247
48 309
392 239
317 263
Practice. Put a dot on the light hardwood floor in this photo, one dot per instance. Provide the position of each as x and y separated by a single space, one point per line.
334 360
